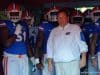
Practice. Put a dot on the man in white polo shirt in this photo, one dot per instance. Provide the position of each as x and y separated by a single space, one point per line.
65 45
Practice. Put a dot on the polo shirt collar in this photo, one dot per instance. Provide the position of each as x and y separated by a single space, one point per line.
66 26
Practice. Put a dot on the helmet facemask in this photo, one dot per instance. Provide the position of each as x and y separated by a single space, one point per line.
96 16
96 13
28 17
14 13
52 14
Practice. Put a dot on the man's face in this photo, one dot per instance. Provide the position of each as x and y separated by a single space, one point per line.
62 19
29 20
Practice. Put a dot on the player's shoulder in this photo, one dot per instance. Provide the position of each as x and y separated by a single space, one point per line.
55 29
74 26
3 27
42 25
2 23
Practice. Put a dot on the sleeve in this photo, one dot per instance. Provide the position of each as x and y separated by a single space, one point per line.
7 40
80 39
50 45
41 28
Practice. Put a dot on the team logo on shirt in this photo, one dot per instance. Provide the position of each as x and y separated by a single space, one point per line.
67 33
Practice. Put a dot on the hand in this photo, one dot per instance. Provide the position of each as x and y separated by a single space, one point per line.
94 62
82 63
50 67
18 29
39 66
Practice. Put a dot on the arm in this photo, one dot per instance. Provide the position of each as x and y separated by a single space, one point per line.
80 40
83 60
37 53
29 51
50 64
31 54
82 46
34 59
92 45
92 50
39 42
50 51
29 47
83 56
6 39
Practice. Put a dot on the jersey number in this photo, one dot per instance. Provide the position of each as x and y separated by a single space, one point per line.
21 36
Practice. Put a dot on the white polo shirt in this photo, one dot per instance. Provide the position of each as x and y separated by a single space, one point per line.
66 44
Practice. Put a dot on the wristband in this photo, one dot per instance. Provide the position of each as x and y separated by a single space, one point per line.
32 59
37 61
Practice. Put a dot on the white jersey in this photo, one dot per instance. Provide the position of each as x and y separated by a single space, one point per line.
66 44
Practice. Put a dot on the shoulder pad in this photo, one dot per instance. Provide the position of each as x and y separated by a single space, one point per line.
2 24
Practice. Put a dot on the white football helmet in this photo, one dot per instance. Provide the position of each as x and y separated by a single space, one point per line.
14 12
88 16
77 17
52 14
96 13
28 17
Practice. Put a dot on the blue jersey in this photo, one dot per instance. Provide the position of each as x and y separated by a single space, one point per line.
97 24
88 29
19 45
46 27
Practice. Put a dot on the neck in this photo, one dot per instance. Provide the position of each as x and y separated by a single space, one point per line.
63 25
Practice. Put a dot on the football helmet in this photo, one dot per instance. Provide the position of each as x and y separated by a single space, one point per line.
77 17
14 12
88 16
52 14
96 13
28 17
